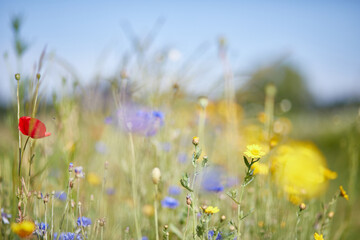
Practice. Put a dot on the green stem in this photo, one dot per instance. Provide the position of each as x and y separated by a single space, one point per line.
18 115
156 214
239 212
133 186
45 222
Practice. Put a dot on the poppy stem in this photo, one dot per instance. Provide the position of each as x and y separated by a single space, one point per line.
22 152
18 115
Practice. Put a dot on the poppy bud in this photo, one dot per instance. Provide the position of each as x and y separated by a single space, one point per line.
17 76
156 175
38 76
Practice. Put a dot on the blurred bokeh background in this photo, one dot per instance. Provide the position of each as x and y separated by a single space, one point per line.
314 42
164 55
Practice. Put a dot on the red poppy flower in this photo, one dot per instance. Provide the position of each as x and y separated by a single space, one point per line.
32 127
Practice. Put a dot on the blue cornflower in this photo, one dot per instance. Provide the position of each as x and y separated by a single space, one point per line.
144 238
182 157
5 217
211 234
169 202
84 221
136 120
213 179
43 226
174 190
68 236
110 191
166 146
61 196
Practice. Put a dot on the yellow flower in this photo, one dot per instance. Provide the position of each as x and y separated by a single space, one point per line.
343 193
318 236
254 151
211 210
23 229
299 169
148 210
93 179
260 168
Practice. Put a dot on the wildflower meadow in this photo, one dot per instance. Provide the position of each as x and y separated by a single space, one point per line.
138 154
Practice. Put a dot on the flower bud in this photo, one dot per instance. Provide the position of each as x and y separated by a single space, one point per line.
46 198
17 76
223 218
38 76
188 200
203 101
302 206
195 140
331 214
156 175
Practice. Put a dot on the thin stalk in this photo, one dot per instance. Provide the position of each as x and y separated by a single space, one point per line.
22 152
45 221
193 203
18 115
52 217
81 222
78 190
239 212
133 185
156 214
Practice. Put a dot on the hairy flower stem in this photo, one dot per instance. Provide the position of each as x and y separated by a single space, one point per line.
78 190
239 212
45 237
156 214
193 203
52 217
298 218
18 116
133 185
102 209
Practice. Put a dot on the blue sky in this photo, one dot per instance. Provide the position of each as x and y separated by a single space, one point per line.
322 38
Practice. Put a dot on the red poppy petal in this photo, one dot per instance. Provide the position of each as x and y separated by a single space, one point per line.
24 125
32 127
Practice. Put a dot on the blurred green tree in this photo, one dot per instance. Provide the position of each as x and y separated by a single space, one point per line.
289 82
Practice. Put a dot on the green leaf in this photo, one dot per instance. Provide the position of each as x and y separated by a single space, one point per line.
246 162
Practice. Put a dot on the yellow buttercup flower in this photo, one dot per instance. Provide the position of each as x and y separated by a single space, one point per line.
254 151
211 210
343 193
260 168
318 236
299 169
23 229
93 179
